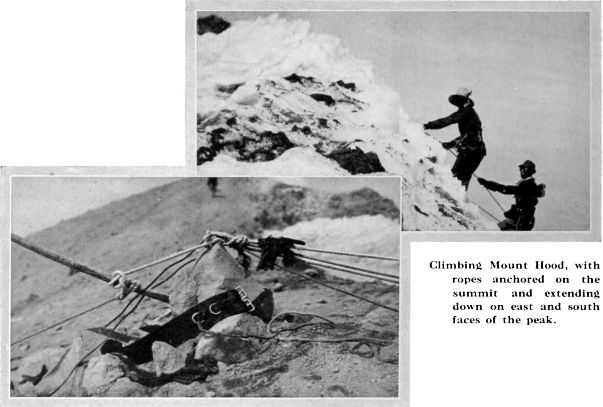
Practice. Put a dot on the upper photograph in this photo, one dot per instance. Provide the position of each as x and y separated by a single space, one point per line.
485 115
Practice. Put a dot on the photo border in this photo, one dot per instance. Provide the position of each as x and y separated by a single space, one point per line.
592 7
6 175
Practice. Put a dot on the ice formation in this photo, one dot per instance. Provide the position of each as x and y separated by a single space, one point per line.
274 98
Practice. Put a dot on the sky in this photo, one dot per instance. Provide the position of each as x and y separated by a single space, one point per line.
41 202
530 76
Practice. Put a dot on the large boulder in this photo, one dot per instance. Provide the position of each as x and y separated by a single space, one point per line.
230 349
101 372
81 345
211 24
357 161
168 359
216 272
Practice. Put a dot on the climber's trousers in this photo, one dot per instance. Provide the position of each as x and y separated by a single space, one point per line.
466 163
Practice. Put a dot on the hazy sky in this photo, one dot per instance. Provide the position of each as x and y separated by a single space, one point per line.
529 72
41 202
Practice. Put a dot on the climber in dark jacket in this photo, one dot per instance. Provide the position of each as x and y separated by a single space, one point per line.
469 145
526 191
212 184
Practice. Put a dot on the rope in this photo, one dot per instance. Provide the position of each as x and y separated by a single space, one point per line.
123 284
138 296
346 270
308 249
348 266
82 268
164 259
476 177
366 256
353 272
486 212
275 334
331 287
102 304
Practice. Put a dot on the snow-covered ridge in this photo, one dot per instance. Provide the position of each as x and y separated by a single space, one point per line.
273 98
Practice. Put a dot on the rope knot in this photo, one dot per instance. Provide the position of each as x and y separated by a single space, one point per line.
123 284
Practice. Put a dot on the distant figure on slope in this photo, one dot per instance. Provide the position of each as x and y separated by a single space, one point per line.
470 145
526 191
212 184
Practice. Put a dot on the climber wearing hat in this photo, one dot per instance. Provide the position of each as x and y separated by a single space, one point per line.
526 191
470 145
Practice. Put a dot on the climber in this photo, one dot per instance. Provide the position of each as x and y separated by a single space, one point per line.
470 145
212 184
521 215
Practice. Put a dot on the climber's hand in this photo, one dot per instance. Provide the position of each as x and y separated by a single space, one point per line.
482 181
448 145
426 126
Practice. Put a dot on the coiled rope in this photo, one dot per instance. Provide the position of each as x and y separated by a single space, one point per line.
274 334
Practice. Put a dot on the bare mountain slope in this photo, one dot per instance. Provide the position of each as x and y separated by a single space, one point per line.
149 225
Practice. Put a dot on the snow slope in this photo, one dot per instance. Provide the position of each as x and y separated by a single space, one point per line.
273 98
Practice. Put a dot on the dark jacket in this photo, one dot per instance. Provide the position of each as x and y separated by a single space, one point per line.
470 126
526 194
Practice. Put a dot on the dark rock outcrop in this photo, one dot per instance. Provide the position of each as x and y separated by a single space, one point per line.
302 80
357 161
355 203
321 97
347 85
265 146
211 24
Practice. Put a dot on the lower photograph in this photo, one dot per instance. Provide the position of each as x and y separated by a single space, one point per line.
205 287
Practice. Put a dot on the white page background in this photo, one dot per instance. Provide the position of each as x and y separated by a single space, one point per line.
85 83
503 364
92 83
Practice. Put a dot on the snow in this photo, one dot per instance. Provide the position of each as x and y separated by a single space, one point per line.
290 163
257 56
376 235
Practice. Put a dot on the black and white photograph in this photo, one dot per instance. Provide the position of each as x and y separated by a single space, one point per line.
206 287
486 116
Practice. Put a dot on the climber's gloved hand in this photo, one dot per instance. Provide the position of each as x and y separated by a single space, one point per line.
426 126
483 181
448 145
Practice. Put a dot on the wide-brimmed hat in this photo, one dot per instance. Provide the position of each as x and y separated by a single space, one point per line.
528 165
460 97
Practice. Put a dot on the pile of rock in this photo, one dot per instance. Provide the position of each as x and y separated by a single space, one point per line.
41 373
